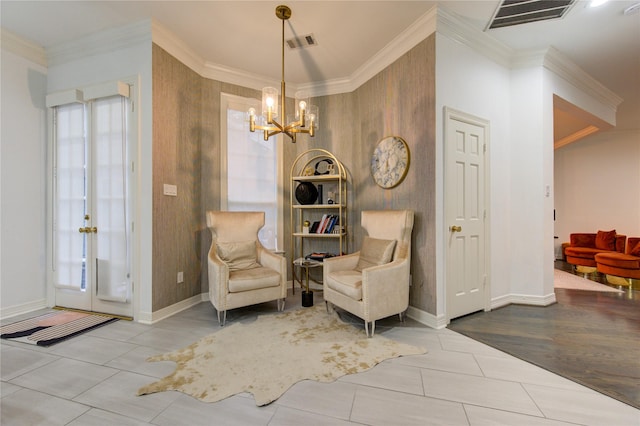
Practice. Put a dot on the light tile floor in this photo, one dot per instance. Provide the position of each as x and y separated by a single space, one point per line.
92 379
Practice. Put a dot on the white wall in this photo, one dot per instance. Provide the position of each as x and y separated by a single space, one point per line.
528 181
23 172
23 183
595 173
471 83
597 184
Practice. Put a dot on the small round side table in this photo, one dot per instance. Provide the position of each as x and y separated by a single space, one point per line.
306 264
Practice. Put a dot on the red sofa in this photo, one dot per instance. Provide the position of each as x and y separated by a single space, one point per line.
624 265
583 247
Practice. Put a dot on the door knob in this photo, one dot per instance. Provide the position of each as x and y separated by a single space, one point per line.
455 228
88 230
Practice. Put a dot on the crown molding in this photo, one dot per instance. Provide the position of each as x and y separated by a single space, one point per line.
330 87
23 48
405 41
458 30
436 20
528 58
561 65
100 42
182 52
242 78
176 47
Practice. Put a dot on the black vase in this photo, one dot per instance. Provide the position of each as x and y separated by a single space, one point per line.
306 193
307 299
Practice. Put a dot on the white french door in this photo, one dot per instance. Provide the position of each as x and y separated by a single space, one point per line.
91 208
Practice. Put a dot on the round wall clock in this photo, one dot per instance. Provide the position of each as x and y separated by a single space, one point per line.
390 162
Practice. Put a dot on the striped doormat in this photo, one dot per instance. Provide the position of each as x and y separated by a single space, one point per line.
54 327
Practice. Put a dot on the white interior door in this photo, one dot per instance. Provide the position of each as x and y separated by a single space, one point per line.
465 213
91 241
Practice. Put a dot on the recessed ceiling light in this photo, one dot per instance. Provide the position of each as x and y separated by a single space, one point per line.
596 3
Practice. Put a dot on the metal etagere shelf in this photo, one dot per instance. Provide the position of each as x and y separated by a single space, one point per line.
333 180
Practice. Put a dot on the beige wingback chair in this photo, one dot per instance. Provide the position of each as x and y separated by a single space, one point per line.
373 283
242 271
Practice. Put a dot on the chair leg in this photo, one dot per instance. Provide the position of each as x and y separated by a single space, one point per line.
281 304
402 316
224 318
373 328
329 306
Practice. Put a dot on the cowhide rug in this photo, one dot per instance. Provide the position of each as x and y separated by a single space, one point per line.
268 356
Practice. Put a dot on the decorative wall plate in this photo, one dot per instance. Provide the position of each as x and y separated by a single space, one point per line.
390 162
324 167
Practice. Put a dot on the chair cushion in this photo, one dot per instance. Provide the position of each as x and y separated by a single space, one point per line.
583 252
347 282
606 240
253 279
618 260
375 252
238 255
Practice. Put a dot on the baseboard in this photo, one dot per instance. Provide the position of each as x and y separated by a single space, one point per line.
525 299
25 308
500 301
430 320
423 317
153 317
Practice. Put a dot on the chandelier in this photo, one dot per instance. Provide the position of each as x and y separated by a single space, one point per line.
306 115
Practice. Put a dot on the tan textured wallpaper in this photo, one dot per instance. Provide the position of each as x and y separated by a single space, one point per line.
177 154
398 101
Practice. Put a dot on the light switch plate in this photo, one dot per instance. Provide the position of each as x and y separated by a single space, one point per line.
171 190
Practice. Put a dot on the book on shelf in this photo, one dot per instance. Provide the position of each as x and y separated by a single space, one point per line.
325 225
314 227
322 224
332 224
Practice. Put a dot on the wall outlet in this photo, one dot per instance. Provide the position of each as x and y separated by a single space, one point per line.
180 277
171 190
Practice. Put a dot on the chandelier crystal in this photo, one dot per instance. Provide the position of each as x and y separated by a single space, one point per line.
306 115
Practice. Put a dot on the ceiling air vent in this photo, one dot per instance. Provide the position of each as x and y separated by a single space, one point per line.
302 42
516 12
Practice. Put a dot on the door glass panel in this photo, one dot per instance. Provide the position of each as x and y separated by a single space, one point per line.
110 213
71 201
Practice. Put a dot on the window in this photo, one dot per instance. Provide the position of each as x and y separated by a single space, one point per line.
250 169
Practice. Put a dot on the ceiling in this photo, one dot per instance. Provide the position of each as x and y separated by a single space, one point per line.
246 35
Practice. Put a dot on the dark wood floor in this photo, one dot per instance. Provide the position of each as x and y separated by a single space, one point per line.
592 338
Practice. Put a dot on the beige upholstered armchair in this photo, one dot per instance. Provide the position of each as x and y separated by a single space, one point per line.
241 271
373 283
